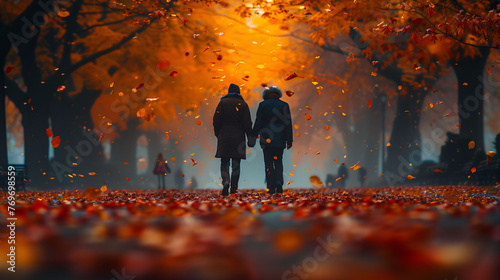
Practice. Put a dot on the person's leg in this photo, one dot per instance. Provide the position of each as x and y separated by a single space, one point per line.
269 167
163 181
278 169
235 174
224 172
159 181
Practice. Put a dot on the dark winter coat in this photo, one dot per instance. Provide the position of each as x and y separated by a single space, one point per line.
274 123
231 122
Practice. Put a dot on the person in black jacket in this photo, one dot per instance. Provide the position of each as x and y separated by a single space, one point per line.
274 126
231 122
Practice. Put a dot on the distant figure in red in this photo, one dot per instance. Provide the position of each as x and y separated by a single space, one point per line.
232 121
161 170
343 174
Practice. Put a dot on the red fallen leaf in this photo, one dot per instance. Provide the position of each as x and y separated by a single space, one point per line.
174 74
139 86
193 161
415 37
473 170
162 64
370 103
327 127
61 88
292 76
289 93
198 122
9 68
307 116
159 13
127 179
387 30
183 20
49 132
417 21
100 137
56 141
308 108
167 137
182 175
438 171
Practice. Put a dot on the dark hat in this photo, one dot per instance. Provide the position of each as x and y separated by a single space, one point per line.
233 89
272 89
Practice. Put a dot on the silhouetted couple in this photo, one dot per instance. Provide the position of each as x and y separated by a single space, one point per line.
273 125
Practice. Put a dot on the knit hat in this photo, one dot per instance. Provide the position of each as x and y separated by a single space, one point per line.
234 89
272 89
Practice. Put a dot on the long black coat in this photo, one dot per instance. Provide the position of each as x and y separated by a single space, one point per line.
274 124
231 122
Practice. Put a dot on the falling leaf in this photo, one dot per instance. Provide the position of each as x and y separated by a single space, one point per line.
182 175
472 144
327 127
49 132
356 166
430 105
289 93
61 88
62 12
146 113
416 67
198 122
473 170
152 99
374 74
174 74
335 160
374 62
388 144
370 103
127 179
410 177
438 171
167 137
489 71
307 116
193 161
308 108
292 76
139 86
104 188
316 181
289 182
172 158
56 141
268 140
465 84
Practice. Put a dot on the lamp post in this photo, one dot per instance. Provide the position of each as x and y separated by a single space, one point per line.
383 101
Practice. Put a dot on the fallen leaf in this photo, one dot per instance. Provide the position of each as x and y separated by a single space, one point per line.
307 116
49 132
370 103
316 181
104 188
174 74
473 170
289 93
292 76
139 86
410 177
327 127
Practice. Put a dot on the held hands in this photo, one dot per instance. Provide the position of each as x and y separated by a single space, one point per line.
251 142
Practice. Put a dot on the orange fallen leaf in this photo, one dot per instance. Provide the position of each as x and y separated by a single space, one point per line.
327 127
49 132
473 170
198 122
104 188
472 144
307 116
410 177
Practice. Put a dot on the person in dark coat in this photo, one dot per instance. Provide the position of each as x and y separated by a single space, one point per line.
362 175
343 174
231 122
274 126
161 170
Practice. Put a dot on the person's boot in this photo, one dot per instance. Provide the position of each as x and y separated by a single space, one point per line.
234 190
271 190
225 189
279 189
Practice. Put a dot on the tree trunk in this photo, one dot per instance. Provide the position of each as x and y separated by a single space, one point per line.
124 149
372 143
36 142
404 146
469 72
